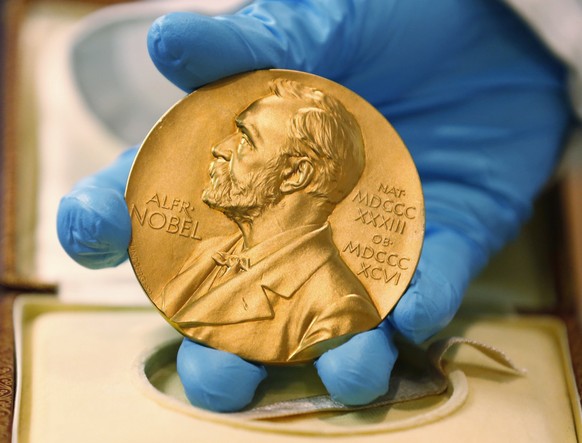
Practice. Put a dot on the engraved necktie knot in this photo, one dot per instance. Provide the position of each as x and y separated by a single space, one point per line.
232 262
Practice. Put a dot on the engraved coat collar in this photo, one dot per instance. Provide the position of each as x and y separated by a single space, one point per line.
244 297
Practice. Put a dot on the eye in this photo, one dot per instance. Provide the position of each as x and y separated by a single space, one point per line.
244 142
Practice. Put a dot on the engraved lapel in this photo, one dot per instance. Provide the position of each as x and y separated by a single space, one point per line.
244 297
299 261
183 287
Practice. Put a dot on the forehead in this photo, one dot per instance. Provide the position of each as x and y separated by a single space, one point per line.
271 111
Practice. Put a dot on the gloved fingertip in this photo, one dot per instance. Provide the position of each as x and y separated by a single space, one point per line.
406 321
93 227
188 48
217 380
358 371
425 308
161 43
192 50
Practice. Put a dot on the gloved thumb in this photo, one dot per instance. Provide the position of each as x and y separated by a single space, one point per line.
448 262
192 50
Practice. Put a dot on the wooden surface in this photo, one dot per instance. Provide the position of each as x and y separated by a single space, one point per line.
7 366
11 14
571 196
569 267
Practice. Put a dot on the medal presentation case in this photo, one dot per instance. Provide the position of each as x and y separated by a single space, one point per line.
84 356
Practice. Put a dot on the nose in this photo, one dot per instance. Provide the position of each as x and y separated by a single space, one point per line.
224 148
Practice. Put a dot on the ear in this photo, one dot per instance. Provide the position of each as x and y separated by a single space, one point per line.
297 175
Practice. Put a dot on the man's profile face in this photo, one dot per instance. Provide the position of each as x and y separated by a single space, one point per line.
246 174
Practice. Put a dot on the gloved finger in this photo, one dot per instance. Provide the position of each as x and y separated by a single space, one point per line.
217 380
358 371
319 37
435 293
399 44
93 223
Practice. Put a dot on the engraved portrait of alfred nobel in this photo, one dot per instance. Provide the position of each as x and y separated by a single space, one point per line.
278 288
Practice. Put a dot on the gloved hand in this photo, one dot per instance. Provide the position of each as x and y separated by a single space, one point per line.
478 101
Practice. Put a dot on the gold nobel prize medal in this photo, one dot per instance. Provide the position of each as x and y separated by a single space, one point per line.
274 214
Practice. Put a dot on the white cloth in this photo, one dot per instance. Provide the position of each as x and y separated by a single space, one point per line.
559 24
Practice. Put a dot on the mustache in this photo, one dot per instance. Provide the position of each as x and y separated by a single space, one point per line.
219 172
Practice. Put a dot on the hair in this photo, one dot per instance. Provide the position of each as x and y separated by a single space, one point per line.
329 135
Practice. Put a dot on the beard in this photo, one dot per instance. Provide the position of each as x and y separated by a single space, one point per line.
243 202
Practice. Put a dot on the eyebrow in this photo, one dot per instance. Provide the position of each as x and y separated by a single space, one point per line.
249 129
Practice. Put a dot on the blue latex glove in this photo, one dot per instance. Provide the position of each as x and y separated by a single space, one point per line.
478 101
